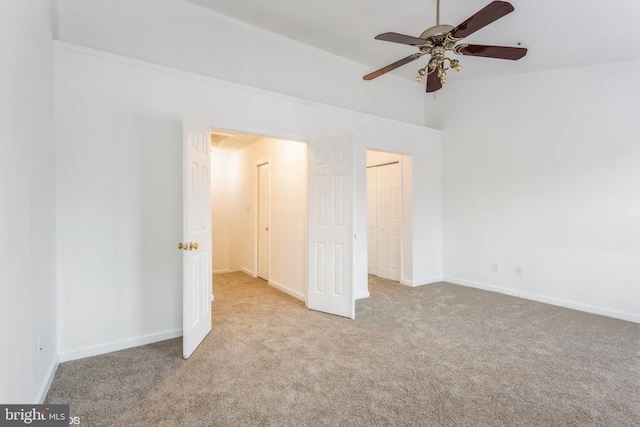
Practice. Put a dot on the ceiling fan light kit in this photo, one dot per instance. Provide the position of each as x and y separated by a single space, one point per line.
437 41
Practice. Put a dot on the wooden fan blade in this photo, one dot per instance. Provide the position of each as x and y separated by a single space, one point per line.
391 67
500 52
401 38
433 82
492 12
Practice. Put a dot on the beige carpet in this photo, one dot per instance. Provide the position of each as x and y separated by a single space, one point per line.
437 355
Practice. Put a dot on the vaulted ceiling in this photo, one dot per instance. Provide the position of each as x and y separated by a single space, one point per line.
558 34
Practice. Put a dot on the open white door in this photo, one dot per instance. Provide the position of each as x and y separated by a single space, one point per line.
197 277
372 209
331 183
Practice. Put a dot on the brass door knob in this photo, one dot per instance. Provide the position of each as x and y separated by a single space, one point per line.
182 246
193 246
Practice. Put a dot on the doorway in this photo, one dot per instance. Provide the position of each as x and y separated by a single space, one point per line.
259 209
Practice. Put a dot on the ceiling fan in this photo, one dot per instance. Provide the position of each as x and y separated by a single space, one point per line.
440 39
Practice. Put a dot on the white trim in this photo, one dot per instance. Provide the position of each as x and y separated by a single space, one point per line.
547 300
286 290
119 345
422 282
483 286
51 373
96 53
226 270
582 307
247 271
362 295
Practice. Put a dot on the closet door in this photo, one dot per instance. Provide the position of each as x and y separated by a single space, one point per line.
388 221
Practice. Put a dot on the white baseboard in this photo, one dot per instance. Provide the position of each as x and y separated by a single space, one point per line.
362 295
120 345
547 300
582 307
226 270
286 290
483 286
247 271
51 373
429 281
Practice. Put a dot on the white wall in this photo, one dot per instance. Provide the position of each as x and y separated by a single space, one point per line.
288 201
27 201
220 193
119 133
185 36
547 178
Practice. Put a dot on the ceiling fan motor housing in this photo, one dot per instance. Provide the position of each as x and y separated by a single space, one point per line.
438 30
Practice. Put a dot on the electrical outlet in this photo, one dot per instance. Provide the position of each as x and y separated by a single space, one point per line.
496 267
518 270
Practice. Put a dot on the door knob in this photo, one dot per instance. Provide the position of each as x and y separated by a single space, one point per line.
193 246
182 246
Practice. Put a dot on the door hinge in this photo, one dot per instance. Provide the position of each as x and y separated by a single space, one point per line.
354 236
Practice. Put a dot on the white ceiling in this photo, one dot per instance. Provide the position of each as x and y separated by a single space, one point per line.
231 141
558 33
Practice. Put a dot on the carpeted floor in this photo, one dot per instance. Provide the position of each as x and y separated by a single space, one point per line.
437 355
